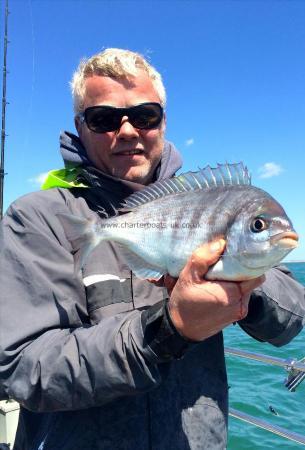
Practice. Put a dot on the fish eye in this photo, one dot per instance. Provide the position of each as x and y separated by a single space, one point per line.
258 225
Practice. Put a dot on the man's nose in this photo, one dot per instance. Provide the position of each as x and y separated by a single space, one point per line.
126 130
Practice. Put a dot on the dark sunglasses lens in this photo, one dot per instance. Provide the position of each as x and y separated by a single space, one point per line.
146 116
102 119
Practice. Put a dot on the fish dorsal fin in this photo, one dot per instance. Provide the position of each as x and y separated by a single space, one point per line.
207 178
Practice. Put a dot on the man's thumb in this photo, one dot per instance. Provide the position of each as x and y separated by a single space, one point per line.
204 257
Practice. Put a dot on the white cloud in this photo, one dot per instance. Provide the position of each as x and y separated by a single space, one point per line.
38 180
269 170
189 142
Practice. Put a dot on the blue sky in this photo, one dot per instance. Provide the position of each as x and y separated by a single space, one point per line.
234 73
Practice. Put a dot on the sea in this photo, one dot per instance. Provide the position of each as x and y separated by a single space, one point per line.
258 389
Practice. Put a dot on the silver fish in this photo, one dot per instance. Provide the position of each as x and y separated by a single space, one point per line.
161 225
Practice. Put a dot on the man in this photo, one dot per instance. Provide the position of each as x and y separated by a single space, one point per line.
105 360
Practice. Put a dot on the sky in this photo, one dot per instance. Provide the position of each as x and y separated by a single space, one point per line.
234 72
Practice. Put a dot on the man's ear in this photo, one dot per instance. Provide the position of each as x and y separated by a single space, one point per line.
78 126
164 119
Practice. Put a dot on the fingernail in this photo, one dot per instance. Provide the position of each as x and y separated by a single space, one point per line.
215 246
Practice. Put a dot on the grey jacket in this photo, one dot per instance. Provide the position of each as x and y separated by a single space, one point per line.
94 361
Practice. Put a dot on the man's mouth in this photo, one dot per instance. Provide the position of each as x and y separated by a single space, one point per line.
130 152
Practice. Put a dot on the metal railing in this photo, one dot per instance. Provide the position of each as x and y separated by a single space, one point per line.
279 431
296 374
286 363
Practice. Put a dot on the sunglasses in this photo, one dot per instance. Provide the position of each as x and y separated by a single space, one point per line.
102 119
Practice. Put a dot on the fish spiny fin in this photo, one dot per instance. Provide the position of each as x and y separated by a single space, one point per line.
204 179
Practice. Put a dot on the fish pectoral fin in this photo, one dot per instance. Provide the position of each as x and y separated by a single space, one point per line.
141 268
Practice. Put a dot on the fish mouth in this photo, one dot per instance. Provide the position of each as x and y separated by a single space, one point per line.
287 239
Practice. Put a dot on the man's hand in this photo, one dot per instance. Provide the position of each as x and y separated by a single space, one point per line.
200 308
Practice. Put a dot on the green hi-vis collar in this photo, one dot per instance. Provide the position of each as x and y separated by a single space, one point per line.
64 178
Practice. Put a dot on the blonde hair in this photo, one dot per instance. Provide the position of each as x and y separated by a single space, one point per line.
114 63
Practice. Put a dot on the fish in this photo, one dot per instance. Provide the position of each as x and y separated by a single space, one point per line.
159 227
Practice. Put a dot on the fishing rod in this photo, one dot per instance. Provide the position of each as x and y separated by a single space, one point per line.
4 103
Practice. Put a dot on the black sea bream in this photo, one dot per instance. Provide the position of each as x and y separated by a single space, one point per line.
161 225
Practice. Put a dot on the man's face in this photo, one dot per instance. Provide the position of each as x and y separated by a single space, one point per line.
111 151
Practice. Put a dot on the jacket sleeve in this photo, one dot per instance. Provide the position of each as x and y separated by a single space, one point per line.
51 357
276 308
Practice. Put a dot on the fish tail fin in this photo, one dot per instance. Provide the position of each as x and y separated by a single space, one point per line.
81 233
